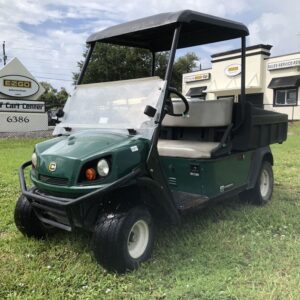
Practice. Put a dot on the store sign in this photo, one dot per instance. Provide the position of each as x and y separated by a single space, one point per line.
23 122
18 86
22 106
233 70
197 77
284 64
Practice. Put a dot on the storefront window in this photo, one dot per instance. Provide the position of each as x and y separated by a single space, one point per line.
291 97
286 97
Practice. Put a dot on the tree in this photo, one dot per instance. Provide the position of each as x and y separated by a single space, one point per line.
183 64
111 62
52 97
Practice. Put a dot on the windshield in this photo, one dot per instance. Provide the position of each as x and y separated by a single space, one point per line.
113 105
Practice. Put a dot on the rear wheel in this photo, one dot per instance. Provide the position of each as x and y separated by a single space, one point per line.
121 241
263 190
27 221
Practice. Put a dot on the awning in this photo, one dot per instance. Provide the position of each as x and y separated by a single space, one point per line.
284 82
196 92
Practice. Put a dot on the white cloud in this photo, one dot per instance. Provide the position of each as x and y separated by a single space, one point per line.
277 24
280 29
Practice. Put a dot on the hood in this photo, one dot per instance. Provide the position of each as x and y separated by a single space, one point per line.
70 153
85 144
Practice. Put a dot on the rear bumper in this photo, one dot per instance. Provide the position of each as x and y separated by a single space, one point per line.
61 205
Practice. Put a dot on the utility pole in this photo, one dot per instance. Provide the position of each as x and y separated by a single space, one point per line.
4 55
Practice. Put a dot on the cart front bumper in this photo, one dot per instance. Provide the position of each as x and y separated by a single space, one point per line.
62 206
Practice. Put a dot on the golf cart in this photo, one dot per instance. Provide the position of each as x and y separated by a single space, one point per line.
126 153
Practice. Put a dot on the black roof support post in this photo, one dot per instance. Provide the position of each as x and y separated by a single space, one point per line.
153 162
153 64
175 40
86 62
168 76
242 102
243 76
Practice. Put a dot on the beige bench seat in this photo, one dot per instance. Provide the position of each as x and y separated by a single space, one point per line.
207 114
186 149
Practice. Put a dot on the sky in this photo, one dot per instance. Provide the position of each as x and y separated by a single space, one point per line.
49 36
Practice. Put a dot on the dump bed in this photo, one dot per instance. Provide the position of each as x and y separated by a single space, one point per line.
260 128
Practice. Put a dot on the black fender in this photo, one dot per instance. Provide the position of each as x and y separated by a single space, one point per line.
159 199
259 155
142 190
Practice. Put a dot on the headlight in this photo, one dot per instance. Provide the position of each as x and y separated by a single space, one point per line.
34 159
103 167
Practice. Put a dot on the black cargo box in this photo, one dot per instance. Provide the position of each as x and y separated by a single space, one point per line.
260 128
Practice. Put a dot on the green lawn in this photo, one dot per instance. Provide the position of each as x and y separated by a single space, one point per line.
230 251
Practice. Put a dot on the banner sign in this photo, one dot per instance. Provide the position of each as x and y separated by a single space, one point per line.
197 77
22 106
284 64
18 86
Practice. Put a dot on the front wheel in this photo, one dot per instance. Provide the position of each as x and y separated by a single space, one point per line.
28 223
263 190
121 241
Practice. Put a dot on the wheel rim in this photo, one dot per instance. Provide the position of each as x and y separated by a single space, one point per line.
138 239
264 183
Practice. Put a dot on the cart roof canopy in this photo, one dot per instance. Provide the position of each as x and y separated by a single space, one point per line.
156 32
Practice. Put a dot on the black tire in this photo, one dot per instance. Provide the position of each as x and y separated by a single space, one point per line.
261 194
111 239
27 221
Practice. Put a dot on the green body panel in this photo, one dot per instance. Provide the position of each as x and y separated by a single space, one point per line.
71 153
207 177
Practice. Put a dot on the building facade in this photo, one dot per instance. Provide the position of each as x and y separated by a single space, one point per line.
271 82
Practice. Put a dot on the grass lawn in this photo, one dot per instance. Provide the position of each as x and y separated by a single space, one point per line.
230 251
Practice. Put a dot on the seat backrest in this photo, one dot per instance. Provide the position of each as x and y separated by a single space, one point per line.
209 113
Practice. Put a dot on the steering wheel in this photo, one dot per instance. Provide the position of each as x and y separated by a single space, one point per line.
187 107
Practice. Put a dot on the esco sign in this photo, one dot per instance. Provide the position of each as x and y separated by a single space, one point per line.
18 86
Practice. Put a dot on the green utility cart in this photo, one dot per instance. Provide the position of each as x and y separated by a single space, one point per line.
126 154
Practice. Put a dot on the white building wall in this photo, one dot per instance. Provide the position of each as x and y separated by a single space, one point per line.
292 111
258 78
222 84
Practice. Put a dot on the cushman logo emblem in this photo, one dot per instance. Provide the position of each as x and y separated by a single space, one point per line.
52 166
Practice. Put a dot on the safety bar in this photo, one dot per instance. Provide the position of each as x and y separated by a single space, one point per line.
67 202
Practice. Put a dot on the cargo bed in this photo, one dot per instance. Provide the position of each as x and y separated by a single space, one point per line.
260 128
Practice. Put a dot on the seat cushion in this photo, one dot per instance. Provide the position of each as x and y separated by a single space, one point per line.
186 149
210 113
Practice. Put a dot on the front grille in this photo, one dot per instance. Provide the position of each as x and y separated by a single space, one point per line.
54 180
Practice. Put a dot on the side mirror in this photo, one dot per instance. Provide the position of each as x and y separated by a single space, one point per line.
60 113
150 111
